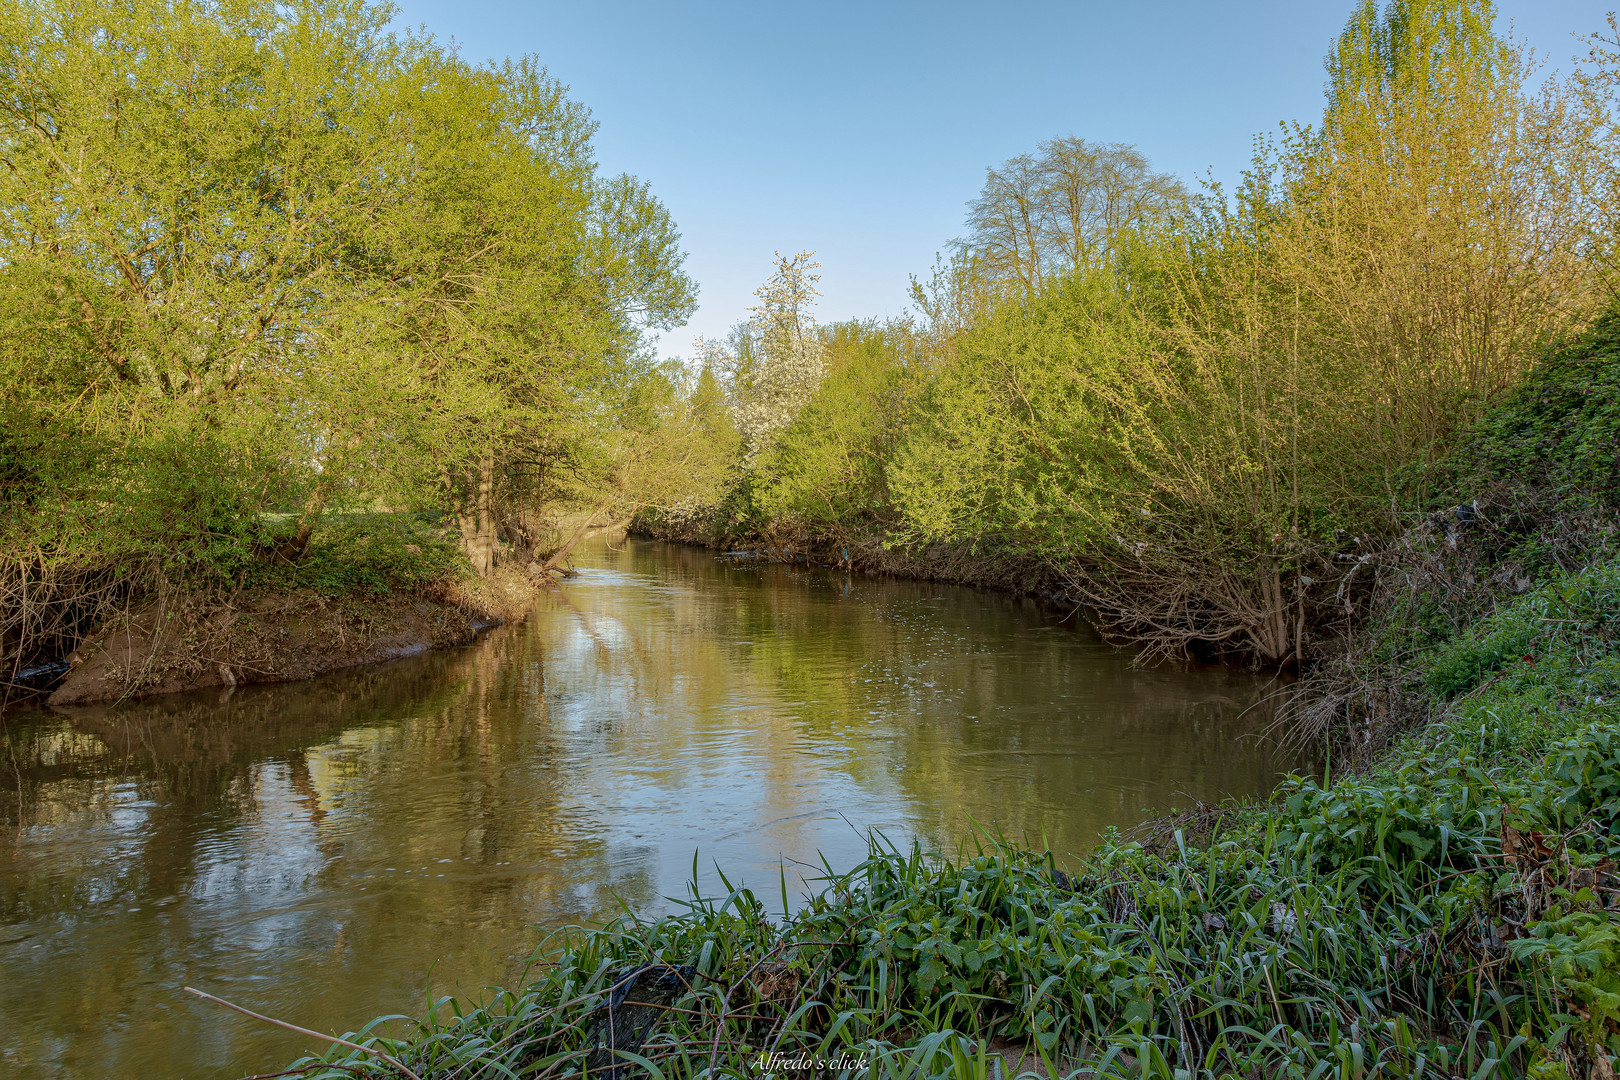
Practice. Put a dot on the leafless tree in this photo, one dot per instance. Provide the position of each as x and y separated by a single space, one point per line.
1063 208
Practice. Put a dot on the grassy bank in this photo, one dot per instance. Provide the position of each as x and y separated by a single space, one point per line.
1451 912
369 587
1445 903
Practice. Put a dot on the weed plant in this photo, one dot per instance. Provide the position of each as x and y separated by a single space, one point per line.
1559 428
370 554
1452 912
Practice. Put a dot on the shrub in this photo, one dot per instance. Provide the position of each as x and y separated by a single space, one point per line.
371 553
1448 913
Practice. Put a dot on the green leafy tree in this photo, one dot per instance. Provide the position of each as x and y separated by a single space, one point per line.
258 256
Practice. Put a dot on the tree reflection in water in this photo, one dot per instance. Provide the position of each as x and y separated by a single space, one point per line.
321 851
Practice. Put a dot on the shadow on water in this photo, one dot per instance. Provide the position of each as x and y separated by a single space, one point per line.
320 851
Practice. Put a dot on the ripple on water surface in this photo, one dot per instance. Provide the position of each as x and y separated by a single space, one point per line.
320 851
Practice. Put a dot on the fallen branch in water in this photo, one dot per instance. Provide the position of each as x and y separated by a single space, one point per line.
300 1071
395 1062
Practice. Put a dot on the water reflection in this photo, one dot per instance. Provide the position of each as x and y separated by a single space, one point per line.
320 851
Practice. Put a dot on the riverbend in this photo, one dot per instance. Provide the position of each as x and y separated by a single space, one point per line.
331 851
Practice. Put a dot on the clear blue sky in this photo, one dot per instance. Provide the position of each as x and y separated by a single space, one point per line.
859 130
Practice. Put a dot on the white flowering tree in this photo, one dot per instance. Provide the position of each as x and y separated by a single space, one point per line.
774 360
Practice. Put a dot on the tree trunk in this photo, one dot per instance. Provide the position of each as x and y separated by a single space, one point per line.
482 551
555 559
466 518
1271 636
291 549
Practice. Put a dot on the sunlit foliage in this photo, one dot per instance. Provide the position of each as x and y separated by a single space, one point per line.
1193 409
260 256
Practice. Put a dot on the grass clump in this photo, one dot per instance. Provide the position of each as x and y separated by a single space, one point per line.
1451 912
369 553
1554 638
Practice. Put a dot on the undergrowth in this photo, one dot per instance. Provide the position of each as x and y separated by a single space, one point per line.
1451 912
1561 427
367 553
1528 501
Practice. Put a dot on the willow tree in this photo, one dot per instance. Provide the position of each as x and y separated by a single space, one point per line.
522 283
183 182
1378 280
825 473
1437 221
259 254
183 190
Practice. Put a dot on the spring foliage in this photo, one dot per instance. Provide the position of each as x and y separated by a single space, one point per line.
258 257
772 364
1447 909
1193 410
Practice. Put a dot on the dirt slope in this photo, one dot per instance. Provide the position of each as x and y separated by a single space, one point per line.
190 642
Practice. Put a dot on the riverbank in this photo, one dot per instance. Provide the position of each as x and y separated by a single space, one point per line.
567 765
867 552
196 642
373 588
1445 902
1450 911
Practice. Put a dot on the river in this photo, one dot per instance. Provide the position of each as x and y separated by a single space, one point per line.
331 851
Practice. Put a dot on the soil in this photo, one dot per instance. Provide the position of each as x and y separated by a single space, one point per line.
194 642
956 564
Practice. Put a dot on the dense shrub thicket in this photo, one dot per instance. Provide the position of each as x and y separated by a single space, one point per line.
1450 907
1198 411
1528 498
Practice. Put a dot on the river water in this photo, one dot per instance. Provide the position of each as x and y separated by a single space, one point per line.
331 851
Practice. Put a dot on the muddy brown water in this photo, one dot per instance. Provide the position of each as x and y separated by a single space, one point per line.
332 851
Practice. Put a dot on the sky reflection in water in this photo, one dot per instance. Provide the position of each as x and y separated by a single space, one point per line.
320 851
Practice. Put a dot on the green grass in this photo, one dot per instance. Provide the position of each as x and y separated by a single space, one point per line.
370 553
1561 427
1441 915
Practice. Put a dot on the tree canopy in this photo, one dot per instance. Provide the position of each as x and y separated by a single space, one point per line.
313 258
